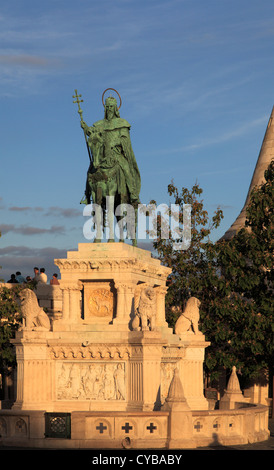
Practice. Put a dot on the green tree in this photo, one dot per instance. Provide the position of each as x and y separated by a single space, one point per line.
194 270
233 280
246 263
9 318
9 321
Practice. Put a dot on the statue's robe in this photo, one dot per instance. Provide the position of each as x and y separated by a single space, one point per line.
113 157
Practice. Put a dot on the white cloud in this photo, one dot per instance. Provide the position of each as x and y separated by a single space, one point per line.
216 139
29 230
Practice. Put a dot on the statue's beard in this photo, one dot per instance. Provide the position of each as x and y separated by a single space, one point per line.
110 115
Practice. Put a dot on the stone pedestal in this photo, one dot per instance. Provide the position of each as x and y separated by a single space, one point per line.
108 275
111 348
180 416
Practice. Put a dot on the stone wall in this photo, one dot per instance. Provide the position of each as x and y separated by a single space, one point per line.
137 430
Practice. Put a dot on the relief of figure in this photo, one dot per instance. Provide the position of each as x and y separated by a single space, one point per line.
109 384
74 381
62 383
34 317
167 370
88 381
91 382
189 319
97 384
119 378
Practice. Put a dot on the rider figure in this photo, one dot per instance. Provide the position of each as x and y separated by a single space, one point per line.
113 169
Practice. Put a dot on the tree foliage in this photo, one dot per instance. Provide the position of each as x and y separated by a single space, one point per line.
194 270
232 279
9 321
247 266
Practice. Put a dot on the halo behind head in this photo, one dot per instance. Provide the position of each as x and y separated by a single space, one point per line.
112 97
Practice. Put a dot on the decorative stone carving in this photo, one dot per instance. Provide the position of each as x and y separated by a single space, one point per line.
3 428
20 427
189 319
119 380
167 371
34 316
89 351
100 303
91 381
146 310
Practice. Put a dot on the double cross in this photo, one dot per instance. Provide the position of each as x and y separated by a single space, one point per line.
78 101
80 111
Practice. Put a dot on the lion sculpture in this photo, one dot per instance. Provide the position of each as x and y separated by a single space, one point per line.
146 310
33 315
189 319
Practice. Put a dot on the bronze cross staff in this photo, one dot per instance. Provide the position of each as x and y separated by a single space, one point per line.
80 111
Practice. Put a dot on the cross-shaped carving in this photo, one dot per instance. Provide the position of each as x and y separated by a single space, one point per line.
101 428
198 426
127 428
151 428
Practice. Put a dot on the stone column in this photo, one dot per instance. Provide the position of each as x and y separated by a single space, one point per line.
65 302
191 371
144 379
71 301
33 379
125 296
74 302
151 371
120 307
160 306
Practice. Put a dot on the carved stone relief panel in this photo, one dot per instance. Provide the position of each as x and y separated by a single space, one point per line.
90 381
167 371
99 302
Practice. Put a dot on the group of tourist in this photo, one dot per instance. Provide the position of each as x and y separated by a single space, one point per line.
39 276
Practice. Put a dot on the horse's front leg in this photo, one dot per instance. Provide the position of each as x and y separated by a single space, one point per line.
98 216
98 223
110 216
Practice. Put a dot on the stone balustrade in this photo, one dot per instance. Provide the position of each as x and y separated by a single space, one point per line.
138 430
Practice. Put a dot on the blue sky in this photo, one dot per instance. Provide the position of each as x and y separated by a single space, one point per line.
196 79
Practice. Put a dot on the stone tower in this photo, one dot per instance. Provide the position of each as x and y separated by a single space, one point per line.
265 156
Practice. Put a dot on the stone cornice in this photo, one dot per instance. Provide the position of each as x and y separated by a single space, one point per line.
93 351
113 265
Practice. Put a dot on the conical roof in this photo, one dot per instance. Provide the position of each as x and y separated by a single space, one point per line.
265 156
176 391
176 397
233 385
